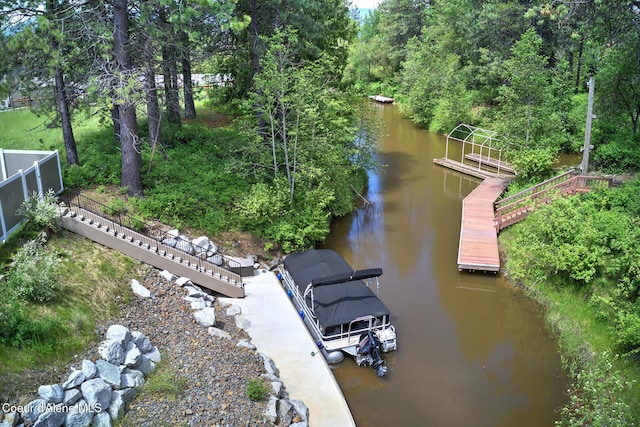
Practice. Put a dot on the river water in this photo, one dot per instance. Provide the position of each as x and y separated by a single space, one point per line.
472 351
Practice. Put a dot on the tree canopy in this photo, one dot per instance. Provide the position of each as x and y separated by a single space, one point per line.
516 67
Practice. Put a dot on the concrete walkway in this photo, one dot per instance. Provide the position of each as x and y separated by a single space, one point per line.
277 331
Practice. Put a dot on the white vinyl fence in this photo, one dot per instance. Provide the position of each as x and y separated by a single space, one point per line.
24 172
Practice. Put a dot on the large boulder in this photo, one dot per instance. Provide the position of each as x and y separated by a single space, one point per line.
269 365
79 415
89 369
271 410
216 259
242 322
53 418
53 393
185 245
111 351
154 354
71 396
131 378
101 419
206 317
194 292
182 281
201 244
109 372
140 290
170 241
119 333
132 354
97 393
301 409
285 412
141 341
10 419
75 379
167 275
145 365
34 409
116 407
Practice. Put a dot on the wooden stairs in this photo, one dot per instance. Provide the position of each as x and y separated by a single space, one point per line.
513 209
151 250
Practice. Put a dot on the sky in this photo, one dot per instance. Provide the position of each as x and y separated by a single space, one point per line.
366 4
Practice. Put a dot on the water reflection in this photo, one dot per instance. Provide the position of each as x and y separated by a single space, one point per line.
471 350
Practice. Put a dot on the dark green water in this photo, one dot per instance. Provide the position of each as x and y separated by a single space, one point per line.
472 351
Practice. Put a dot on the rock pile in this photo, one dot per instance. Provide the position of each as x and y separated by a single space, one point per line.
205 350
200 246
97 393
204 248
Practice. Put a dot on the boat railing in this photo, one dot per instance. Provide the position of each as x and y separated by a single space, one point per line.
300 299
374 279
350 332
368 318
313 320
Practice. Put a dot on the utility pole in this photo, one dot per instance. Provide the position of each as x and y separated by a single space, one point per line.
587 134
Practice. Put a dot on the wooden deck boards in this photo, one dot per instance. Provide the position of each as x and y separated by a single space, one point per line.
468 169
478 246
489 161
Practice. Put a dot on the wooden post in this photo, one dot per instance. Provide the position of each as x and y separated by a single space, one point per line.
587 134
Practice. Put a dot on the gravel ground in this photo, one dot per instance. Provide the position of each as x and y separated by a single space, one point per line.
212 370
200 380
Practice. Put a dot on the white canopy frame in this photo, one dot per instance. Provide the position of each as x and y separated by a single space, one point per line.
484 144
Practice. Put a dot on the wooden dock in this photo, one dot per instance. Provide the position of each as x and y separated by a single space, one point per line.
381 99
470 170
497 164
478 246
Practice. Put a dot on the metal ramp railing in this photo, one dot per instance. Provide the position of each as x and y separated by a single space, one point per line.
515 208
91 219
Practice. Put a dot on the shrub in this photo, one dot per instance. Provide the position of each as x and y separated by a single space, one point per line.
628 332
33 272
595 400
256 390
534 165
40 212
116 207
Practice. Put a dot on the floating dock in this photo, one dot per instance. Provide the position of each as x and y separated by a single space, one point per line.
478 246
381 99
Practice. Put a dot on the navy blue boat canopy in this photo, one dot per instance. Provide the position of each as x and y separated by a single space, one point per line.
339 294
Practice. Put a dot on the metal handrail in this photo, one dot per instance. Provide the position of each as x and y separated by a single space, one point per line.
525 201
125 226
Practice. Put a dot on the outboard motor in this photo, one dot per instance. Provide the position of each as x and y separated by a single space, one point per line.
369 353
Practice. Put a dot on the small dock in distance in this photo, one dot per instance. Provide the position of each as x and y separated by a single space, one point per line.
381 99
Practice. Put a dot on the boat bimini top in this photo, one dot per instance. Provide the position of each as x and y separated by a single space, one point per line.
315 270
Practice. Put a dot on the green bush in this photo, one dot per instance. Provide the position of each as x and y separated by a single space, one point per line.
534 165
595 398
255 390
616 157
40 212
267 212
33 272
115 207
628 332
